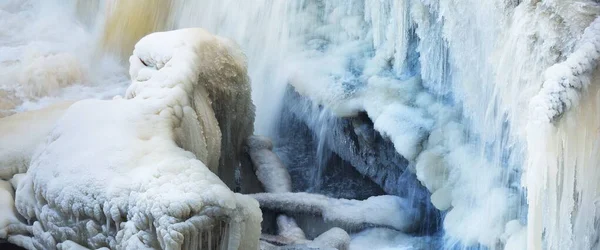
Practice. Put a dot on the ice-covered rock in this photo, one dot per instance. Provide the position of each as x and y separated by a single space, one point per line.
135 172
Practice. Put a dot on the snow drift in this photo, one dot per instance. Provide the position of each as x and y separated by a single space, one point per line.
135 172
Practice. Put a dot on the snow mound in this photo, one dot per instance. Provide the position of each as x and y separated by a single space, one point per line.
135 172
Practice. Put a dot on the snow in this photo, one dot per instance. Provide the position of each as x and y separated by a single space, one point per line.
131 184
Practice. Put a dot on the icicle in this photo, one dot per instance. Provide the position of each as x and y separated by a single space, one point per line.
200 240
210 239
187 239
195 237
225 237
107 225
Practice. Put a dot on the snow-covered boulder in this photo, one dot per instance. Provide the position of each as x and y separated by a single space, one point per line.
135 172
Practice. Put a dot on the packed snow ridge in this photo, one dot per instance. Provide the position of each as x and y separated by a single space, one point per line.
138 171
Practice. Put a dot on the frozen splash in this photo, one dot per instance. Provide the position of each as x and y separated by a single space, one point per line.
448 82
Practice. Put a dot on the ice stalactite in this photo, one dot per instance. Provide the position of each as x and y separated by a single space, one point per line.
563 139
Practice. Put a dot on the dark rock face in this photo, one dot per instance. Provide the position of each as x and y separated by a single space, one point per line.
345 158
313 165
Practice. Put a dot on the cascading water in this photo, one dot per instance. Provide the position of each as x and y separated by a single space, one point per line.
505 143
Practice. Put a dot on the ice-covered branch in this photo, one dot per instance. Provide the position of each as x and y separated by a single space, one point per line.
275 178
268 167
383 211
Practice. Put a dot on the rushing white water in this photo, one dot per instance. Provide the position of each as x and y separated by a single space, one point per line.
466 90
47 55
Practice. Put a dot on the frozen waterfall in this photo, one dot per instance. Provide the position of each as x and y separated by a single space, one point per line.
480 115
